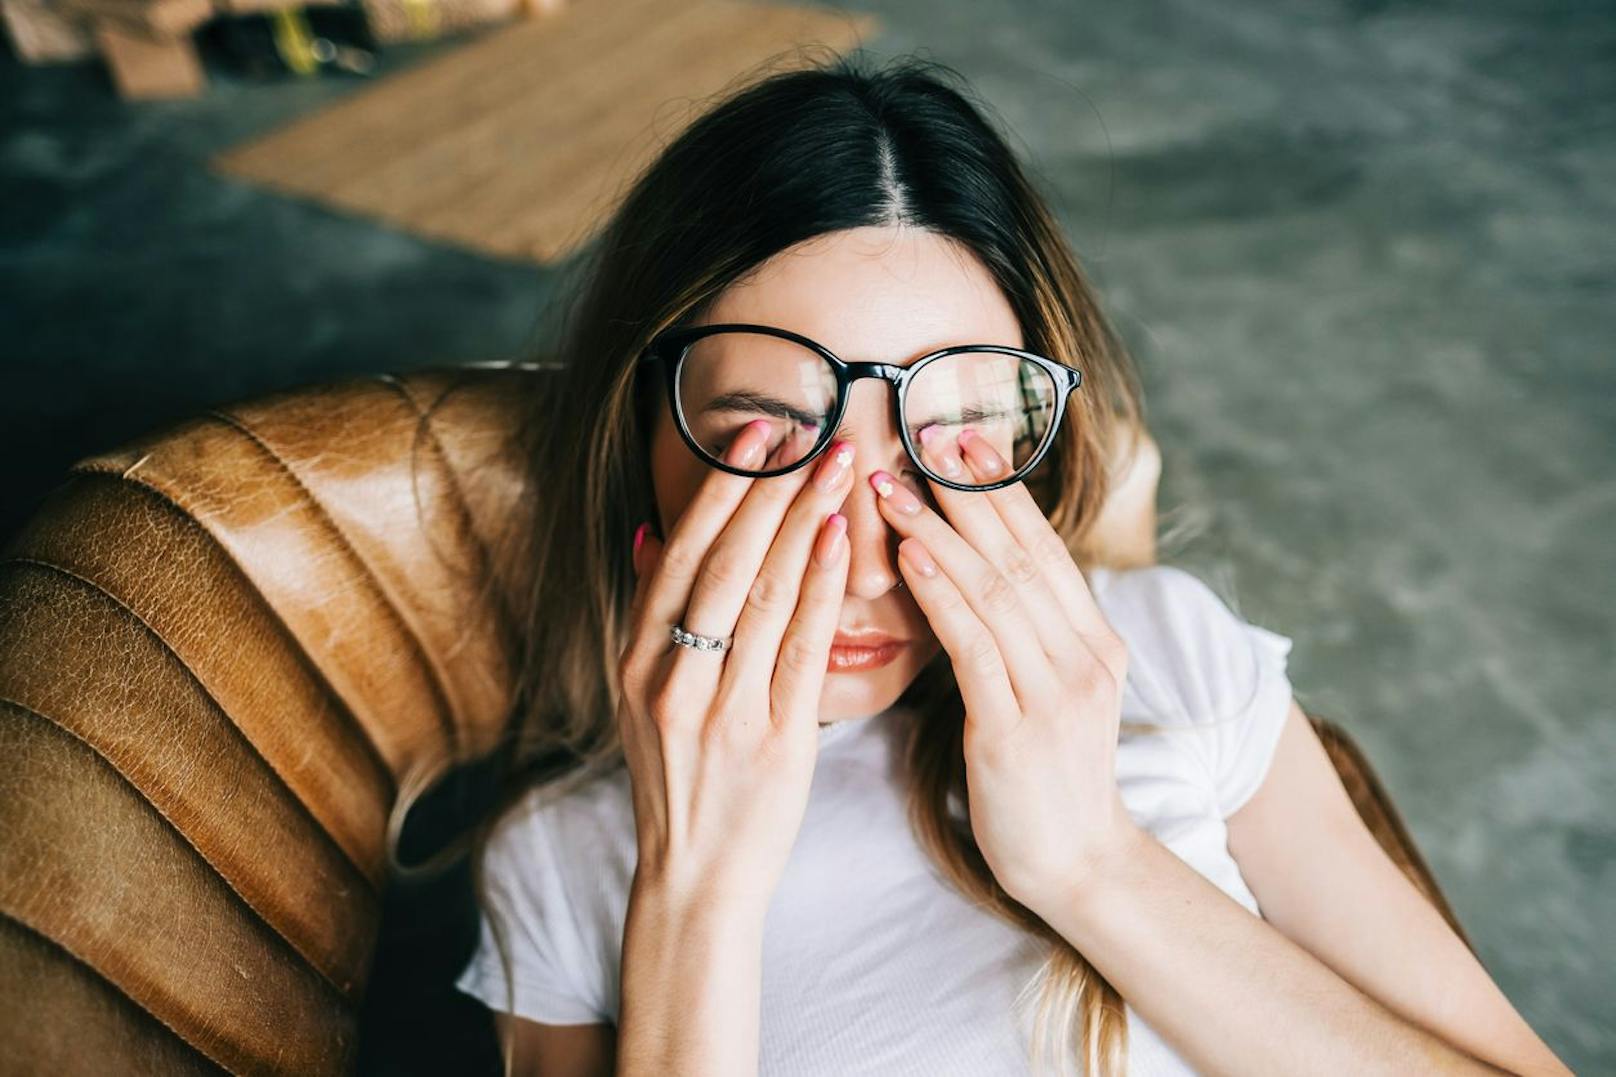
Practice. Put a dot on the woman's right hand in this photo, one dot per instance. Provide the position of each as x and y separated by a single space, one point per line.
721 746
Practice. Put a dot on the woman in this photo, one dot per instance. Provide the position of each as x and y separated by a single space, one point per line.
880 768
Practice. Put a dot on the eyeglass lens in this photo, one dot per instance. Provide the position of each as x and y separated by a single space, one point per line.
732 378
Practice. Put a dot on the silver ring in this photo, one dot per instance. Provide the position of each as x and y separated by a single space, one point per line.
700 642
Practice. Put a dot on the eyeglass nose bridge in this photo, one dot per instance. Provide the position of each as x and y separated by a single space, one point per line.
888 372
895 376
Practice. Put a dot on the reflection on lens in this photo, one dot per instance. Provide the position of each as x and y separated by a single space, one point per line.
730 379
1008 400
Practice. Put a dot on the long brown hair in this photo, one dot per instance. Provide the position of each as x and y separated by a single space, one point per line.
786 156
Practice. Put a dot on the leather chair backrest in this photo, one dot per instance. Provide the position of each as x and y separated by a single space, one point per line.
224 650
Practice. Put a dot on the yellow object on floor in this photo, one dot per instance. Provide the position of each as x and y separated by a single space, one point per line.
294 40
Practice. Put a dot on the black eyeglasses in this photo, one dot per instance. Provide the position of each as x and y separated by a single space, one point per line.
722 377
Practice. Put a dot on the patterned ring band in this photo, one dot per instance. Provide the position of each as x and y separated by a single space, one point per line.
699 642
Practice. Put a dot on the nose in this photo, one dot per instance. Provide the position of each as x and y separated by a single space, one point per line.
872 568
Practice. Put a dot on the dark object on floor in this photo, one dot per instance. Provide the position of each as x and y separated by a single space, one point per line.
292 41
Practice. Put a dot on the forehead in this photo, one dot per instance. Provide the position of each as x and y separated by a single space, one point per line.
887 294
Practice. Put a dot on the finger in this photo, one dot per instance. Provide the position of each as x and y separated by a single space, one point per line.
975 517
775 593
992 597
1030 527
799 671
735 555
685 547
973 648
729 573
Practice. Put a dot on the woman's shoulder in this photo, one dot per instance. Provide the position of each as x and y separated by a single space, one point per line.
1196 664
556 866
563 842
580 812
1192 656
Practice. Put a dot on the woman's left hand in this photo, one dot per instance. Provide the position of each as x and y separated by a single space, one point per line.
1040 671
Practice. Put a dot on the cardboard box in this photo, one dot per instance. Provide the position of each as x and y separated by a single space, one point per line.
158 18
144 67
43 34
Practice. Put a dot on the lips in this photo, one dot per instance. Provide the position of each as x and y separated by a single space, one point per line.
864 639
852 659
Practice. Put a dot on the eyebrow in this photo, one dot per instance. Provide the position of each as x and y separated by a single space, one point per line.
968 415
764 404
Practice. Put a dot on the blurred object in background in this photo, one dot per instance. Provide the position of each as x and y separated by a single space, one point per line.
292 40
392 21
42 34
154 49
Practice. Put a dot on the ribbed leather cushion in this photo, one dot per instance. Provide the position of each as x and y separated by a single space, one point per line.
224 648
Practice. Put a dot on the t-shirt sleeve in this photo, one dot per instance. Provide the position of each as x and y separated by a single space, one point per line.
1244 744
550 961
1225 677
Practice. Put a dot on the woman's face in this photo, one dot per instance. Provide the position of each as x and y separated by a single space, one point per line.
880 295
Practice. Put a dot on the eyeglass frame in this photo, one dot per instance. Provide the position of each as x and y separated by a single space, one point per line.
675 342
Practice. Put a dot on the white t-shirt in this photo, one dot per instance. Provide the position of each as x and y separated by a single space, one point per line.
871 963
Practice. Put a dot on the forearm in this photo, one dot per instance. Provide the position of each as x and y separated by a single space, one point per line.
691 985
1224 987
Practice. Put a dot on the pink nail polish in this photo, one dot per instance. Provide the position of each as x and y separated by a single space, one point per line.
639 535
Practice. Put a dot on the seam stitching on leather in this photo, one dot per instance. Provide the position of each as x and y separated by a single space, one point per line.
230 718
445 717
320 974
501 602
366 739
114 986
252 747
424 431
254 751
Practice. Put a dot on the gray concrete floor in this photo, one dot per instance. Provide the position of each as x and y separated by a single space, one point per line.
1363 251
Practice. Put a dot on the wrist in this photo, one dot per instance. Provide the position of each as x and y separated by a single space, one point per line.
1106 860
692 968
670 899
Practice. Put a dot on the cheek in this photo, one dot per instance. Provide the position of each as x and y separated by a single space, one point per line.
676 474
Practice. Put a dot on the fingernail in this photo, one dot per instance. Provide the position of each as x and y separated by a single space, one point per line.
639 535
897 496
986 461
938 449
916 555
749 446
830 539
832 470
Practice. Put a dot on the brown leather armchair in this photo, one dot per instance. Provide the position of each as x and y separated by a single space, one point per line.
225 649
